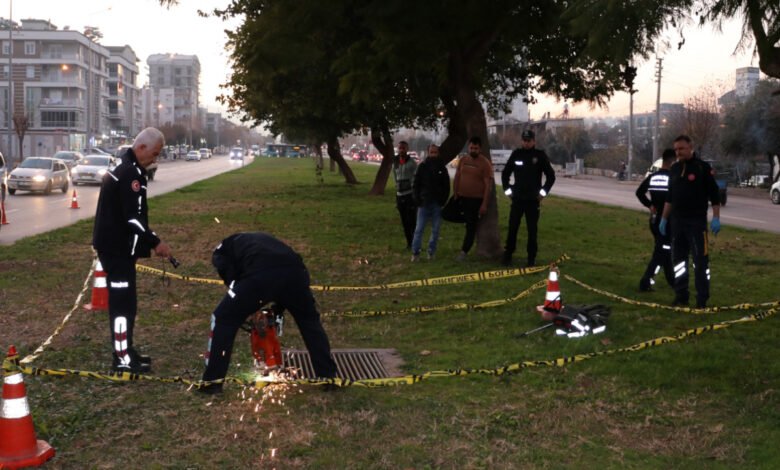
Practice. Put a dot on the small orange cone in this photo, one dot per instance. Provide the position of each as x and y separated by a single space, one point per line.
18 446
552 301
75 202
99 290
3 220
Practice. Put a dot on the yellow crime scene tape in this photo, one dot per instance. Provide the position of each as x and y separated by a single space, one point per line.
11 364
28 359
697 311
436 281
434 308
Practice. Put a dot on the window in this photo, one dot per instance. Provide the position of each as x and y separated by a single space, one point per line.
6 46
30 71
55 51
29 47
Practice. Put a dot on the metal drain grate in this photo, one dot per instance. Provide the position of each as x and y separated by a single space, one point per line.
353 364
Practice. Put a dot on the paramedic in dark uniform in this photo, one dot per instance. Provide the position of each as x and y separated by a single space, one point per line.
120 236
691 185
657 184
527 165
259 269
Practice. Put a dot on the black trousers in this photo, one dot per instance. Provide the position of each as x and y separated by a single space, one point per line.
122 303
408 210
531 209
689 237
288 287
662 255
470 207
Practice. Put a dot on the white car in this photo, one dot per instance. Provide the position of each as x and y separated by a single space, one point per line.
39 174
205 153
774 192
193 155
91 169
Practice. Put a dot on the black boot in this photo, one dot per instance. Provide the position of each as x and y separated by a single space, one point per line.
134 367
140 357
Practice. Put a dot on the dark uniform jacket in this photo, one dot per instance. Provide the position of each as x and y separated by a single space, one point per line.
527 166
431 183
658 185
122 221
691 184
243 254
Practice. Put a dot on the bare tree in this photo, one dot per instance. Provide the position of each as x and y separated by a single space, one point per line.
21 126
699 119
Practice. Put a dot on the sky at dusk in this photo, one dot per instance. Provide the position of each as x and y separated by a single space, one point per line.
705 60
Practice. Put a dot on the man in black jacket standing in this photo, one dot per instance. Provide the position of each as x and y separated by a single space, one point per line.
657 184
259 269
527 165
121 235
691 185
430 189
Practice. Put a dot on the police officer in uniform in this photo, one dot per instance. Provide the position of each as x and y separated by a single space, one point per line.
121 235
657 184
259 269
691 185
527 165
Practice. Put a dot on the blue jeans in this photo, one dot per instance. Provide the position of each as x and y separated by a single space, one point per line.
430 212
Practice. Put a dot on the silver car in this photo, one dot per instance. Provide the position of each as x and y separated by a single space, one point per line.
39 174
193 155
91 169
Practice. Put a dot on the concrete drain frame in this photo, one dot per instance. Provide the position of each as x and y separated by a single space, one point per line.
353 364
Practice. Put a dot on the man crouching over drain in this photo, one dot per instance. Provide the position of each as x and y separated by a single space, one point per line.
259 269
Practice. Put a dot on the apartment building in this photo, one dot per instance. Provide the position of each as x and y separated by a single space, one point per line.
174 81
59 82
124 97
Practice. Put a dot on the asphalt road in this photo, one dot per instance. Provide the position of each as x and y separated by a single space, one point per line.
33 213
740 211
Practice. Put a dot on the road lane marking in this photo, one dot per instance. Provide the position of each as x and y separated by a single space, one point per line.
742 218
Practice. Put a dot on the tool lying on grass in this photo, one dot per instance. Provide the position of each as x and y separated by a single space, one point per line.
265 328
576 321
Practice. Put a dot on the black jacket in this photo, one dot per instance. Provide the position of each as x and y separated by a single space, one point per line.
527 166
658 185
691 184
243 254
431 183
122 220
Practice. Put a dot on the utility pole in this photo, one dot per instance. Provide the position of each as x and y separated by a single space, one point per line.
656 130
628 77
9 111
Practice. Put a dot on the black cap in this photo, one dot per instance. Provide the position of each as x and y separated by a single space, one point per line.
528 134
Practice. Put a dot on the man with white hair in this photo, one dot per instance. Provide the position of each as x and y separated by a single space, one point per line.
122 235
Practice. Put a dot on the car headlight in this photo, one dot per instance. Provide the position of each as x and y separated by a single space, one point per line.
74 170
102 171
38 178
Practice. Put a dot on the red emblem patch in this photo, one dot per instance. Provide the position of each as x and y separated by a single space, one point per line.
135 185
691 177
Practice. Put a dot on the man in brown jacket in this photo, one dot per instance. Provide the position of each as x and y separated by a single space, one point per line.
471 188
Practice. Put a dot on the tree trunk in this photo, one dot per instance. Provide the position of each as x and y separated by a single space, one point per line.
383 141
334 152
488 238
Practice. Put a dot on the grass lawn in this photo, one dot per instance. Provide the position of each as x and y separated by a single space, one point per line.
710 401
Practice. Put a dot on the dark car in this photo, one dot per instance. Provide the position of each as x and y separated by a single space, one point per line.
70 157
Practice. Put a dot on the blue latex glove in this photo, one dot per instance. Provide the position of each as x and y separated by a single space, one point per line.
662 227
715 225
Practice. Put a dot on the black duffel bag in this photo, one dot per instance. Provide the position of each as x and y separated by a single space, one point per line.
453 212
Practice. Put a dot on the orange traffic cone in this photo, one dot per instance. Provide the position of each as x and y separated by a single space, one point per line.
552 301
3 220
75 202
18 446
99 290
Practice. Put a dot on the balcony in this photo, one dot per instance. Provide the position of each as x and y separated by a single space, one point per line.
62 125
61 103
60 56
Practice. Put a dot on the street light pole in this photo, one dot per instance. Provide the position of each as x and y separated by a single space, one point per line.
10 82
65 68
